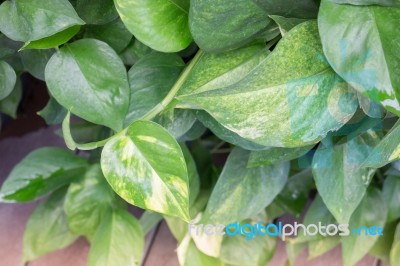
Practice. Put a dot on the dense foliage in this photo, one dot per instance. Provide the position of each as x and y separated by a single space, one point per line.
303 95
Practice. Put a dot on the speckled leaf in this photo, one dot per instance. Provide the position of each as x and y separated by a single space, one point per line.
47 228
151 78
244 191
161 25
96 11
7 79
286 24
225 134
290 8
27 20
276 99
114 34
88 201
272 155
41 172
118 241
88 78
391 195
371 212
360 44
231 27
146 167
368 2
388 149
340 179
176 121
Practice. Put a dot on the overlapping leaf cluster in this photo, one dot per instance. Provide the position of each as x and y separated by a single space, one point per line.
303 95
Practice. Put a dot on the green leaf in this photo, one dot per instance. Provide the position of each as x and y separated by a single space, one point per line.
114 34
387 150
368 2
190 255
96 11
8 47
9 105
146 167
317 213
391 194
193 175
381 248
148 220
150 80
231 27
361 45
161 25
395 255
41 172
371 212
244 191
236 250
395 250
118 241
286 24
272 155
321 246
27 20
7 79
54 40
53 113
134 52
272 100
370 108
88 78
47 228
340 179
225 134
290 8
295 194
176 121
88 201
35 61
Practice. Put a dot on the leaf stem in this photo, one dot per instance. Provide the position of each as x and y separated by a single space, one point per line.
71 144
174 90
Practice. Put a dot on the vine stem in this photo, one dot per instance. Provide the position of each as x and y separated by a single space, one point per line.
174 90
148 116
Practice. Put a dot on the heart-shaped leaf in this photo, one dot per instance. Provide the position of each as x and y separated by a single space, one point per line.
47 228
361 43
27 20
88 78
371 212
161 25
146 167
244 191
41 172
231 27
272 99
8 79
118 241
340 178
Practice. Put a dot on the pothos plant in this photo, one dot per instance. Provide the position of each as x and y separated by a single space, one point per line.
302 97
